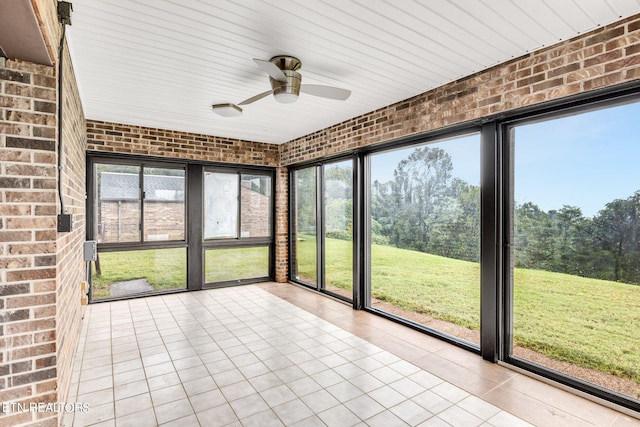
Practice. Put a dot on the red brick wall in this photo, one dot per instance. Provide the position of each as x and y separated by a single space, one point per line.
70 262
255 213
28 235
119 221
129 139
281 225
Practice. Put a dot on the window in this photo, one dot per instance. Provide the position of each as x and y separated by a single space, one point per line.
221 205
127 273
518 238
303 235
255 205
151 240
135 198
338 228
425 235
139 223
322 233
575 247
233 264
118 203
237 213
236 205
163 204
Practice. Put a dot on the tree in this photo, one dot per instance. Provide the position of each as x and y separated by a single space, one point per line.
570 240
618 232
464 234
305 201
381 217
418 192
534 238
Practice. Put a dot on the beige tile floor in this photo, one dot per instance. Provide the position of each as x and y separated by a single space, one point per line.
276 354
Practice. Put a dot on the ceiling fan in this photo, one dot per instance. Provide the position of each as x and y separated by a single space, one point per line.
285 86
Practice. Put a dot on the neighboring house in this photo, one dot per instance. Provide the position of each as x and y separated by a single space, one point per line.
164 208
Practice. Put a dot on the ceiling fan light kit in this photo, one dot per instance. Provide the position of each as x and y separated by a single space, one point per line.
285 86
287 91
227 110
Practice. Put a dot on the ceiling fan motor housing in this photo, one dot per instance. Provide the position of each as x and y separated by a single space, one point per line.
286 91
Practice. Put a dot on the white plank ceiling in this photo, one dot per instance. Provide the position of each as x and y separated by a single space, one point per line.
163 63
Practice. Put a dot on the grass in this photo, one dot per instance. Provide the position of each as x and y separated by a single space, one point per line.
588 322
234 264
338 262
439 287
163 269
167 269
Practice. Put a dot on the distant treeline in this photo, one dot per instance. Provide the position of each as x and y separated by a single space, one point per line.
424 208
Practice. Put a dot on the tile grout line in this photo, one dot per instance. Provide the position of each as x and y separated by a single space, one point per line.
252 314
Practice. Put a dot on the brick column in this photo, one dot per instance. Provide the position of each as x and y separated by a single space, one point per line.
28 238
281 224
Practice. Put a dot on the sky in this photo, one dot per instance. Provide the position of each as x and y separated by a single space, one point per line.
464 152
584 160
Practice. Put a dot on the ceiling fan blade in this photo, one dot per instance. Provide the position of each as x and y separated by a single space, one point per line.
255 98
326 91
271 69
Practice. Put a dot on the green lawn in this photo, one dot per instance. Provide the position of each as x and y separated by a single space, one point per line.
163 269
398 277
588 322
234 264
167 268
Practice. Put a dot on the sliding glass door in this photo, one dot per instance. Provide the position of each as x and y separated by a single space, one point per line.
322 227
425 235
574 267
237 226
337 227
535 263
304 246
166 226
139 225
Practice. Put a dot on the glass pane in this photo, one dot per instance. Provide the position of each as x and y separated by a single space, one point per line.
120 274
338 228
576 246
255 206
163 204
220 205
425 235
118 203
304 226
222 265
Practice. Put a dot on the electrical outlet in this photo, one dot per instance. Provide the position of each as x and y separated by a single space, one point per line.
64 223
64 12
90 250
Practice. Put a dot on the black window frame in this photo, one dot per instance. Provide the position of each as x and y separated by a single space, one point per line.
194 241
141 243
238 241
424 139
607 98
320 226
